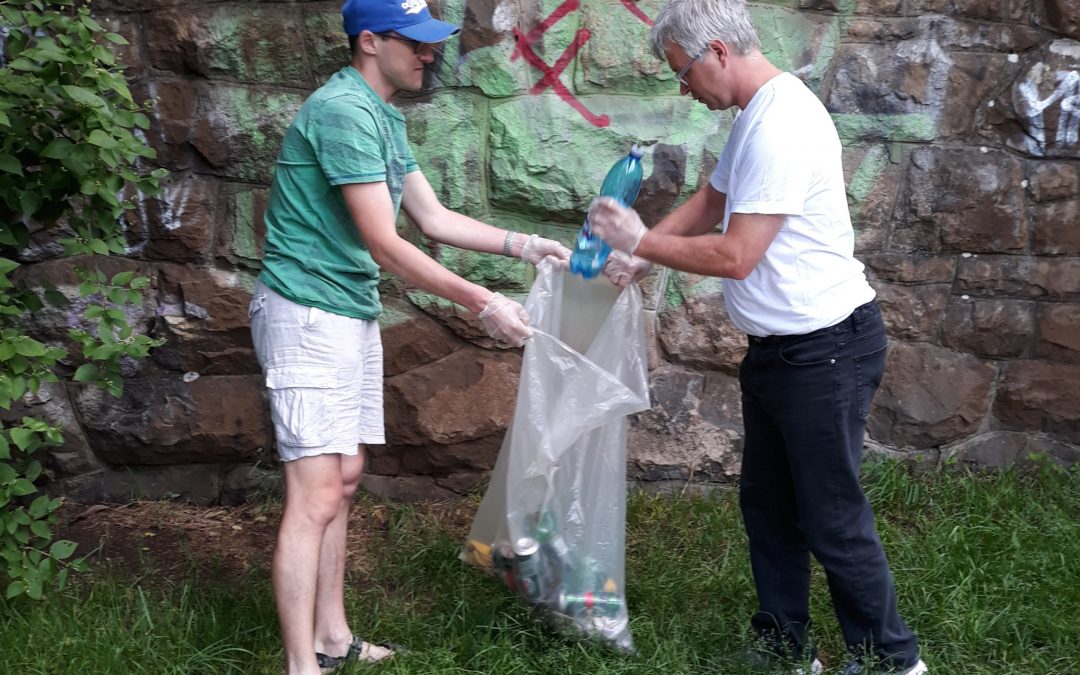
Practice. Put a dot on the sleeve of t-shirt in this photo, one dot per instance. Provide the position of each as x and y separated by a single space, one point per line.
347 143
720 178
774 173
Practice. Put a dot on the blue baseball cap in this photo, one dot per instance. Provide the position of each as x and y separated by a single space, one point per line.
409 18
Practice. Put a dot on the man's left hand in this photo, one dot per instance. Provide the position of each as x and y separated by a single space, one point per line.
537 248
619 226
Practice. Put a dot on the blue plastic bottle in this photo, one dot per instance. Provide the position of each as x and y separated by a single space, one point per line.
623 182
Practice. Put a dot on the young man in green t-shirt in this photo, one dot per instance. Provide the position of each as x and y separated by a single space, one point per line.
344 170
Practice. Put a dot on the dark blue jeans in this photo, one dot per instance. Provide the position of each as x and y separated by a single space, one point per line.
805 401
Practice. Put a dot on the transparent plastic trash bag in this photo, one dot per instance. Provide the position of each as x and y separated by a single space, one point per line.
553 521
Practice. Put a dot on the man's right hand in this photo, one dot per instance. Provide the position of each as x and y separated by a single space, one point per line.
506 320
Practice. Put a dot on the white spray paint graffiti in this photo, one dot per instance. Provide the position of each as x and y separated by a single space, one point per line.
1066 93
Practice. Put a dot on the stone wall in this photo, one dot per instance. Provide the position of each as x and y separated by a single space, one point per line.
960 125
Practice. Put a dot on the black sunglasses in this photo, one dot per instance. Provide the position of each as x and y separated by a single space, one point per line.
415 44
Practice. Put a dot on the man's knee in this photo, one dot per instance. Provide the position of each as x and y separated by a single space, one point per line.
352 471
319 505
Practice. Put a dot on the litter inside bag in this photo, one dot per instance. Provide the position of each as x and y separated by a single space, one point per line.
552 524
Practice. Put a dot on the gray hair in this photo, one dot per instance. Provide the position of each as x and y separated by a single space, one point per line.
691 24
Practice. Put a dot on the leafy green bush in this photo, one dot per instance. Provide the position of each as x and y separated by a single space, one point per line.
70 165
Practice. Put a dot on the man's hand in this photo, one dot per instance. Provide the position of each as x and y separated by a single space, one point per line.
537 248
619 226
506 320
622 269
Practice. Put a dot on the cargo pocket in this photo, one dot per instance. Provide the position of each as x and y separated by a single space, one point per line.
258 301
298 404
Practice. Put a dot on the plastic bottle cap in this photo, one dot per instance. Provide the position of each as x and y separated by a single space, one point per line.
635 151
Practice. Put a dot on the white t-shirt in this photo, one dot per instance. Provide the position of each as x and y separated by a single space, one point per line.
783 157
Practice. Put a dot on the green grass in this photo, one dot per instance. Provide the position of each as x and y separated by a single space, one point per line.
986 566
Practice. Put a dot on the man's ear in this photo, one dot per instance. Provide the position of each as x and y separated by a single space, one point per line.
720 48
365 43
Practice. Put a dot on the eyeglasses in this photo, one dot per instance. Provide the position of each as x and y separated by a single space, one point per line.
689 64
416 45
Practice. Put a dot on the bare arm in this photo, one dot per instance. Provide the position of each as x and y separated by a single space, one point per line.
372 211
450 227
697 215
733 254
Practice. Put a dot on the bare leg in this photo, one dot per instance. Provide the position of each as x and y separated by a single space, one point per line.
313 491
332 634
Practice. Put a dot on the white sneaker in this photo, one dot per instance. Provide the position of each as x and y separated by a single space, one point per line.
815 668
855 668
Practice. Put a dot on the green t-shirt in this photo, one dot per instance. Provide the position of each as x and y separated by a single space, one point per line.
314 254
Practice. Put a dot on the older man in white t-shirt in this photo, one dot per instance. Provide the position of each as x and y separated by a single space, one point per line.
817 342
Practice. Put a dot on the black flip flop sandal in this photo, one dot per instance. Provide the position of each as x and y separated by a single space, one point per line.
359 651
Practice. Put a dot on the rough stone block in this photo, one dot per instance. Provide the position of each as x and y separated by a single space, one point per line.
1057 228
411 338
242 138
1059 16
1058 335
447 142
617 54
466 396
251 43
1040 396
692 430
695 330
1052 181
325 39
911 268
989 327
961 200
241 236
930 396
873 174
1005 449
913 312
198 484
169 420
405 488
178 224
203 318
1037 115
1022 277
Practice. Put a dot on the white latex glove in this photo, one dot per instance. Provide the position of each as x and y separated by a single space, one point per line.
506 320
537 248
622 269
619 226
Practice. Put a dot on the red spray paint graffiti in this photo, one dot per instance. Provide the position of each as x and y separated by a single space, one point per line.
523 49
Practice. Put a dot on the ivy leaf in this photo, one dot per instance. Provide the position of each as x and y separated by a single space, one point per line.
87 372
22 437
84 96
29 347
22 487
15 588
102 139
62 549
10 164
39 508
58 148
41 529
7 122
116 39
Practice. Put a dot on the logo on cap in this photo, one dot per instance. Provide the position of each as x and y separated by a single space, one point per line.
414 6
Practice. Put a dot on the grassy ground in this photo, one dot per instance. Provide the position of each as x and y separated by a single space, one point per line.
987 570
